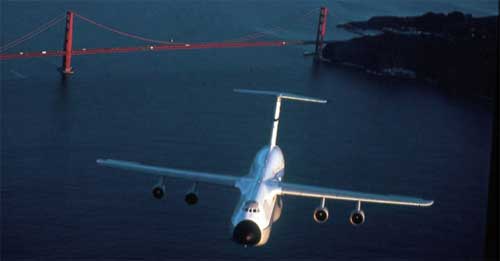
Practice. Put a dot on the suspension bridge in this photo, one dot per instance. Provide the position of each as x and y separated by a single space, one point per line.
155 45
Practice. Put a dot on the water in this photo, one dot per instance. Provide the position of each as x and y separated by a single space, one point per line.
177 109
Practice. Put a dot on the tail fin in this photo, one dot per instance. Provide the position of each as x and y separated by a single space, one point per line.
279 96
283 95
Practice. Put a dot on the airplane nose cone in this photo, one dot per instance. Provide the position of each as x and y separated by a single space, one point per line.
247 233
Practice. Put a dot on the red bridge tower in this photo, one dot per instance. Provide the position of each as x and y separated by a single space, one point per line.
321 32
68 44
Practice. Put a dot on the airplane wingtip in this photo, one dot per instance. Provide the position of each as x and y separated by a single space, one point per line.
428 203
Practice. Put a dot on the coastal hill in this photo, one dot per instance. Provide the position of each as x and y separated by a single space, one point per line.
456 51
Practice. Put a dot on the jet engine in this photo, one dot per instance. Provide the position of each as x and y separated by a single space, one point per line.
357 217
159 189
191 197
320 215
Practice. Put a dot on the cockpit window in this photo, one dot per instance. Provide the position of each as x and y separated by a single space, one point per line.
251 206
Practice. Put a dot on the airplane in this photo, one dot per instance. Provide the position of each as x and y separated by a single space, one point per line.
261 191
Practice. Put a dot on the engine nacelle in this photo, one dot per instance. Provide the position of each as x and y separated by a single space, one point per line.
191 197
159 191
357 217
320 215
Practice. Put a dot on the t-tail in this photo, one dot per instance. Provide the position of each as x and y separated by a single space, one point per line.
279 96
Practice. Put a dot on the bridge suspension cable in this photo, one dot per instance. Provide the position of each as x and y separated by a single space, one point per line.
44 27
68 51
122 33
275 30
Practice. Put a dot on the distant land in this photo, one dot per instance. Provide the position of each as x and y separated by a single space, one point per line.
455 51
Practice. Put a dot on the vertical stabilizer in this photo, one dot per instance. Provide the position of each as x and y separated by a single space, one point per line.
279 96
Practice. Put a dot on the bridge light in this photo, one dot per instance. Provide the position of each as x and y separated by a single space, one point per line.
44 52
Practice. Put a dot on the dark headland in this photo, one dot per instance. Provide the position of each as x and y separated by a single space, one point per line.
456 51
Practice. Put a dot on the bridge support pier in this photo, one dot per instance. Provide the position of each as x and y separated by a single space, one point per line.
321 33
68 44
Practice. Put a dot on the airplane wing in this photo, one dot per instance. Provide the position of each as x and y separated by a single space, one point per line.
330 193
203 177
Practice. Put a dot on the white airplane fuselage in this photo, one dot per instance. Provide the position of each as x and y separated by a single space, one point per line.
260 204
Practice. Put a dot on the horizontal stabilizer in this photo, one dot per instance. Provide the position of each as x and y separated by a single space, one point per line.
283 95
279 96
